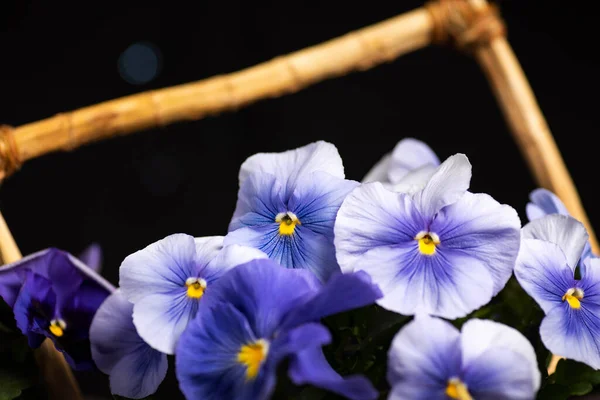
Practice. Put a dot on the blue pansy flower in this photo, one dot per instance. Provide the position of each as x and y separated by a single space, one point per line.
441 249
259 314
429 359
167 280
544 202
135 369
411 162
551 249
287 203
54 295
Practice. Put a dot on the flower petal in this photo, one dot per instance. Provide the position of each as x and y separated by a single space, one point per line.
415 180
590 280
341 293
136 370
230 257
422 357
206 358
379 172
310 367
448 184
207 248
478 226
566 232
34 308
160 268
542 271
293 164
544 202
161 318
479 336
92 257
573 333
408 155
373 217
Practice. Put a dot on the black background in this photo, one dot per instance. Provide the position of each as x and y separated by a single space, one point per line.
127 192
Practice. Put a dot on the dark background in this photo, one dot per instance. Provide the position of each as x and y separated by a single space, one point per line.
127 192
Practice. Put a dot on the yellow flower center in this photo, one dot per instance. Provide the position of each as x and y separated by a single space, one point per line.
252 356
287 223
573 297
457 390
428 242
195 287
57 327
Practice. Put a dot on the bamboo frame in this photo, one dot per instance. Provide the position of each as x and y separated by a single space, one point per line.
468 23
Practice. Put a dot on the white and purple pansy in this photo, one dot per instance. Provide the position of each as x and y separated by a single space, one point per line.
287 203
167 280
429 359
566 286
439 249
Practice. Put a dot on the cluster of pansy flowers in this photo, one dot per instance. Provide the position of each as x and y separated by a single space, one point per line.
305 243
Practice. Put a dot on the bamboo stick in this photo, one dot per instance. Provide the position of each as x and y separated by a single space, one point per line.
358 50
58 378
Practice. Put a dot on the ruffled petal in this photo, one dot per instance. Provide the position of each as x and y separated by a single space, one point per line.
544 202
478 226
415 180
542 271
423 356
479 336
379 172
373 217
448 184
162 267
408 155
92 257
341 293
291 165
206 359
573 333
160 319
136 370
310 367
230 257
564 231
500 374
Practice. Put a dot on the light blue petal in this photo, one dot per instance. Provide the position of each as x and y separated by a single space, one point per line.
480 227
448 184
161 318
479 337
415 180
92 257
573 333
564 231
499 374
544 202
206 359
373 217
260 199
291 165
162 267
230 257
379 172
542 271
207 249
408 155
590 280
310 367
135 369
423 356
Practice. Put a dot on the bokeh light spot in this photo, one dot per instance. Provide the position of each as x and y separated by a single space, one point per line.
140 63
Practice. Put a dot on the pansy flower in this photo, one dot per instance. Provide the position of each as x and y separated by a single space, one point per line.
441 250
54 295
168 279
135 369
287 203
410 163
550 252
429 359
544 202
258 315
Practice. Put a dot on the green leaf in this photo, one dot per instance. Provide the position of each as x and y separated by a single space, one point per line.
581 388
12 384
554 392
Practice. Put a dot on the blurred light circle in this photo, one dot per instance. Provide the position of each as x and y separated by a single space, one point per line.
140 63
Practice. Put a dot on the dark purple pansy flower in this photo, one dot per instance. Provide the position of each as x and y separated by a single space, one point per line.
259 314
54 295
